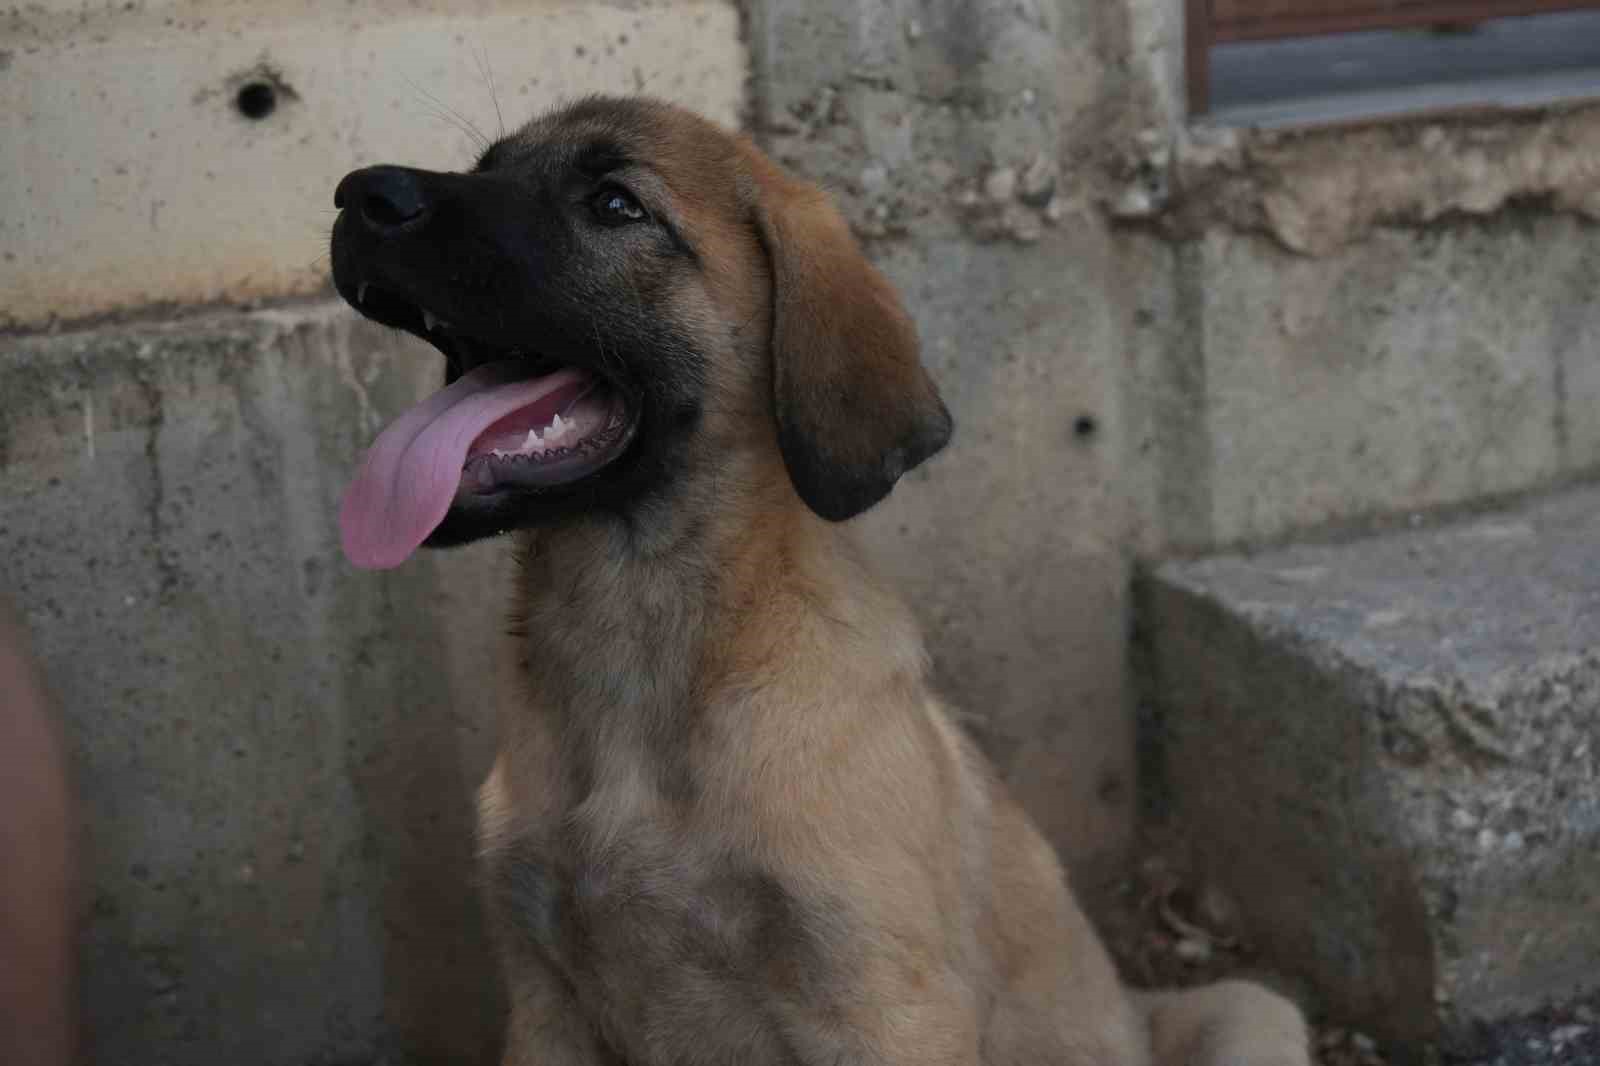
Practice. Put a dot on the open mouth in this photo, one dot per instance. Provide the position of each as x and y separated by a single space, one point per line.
511 421
565 434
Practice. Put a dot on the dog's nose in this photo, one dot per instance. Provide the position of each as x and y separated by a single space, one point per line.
388 199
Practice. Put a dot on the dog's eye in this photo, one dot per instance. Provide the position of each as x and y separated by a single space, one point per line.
617 207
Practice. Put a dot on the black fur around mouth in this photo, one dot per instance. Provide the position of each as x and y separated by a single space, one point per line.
463 352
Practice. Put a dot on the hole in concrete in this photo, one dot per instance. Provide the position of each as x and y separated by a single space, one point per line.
256 100
1085 426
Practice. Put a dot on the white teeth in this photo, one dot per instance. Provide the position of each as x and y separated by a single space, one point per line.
535 443
429 322
361 292
557 430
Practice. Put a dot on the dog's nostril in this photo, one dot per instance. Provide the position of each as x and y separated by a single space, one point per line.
389 213
388 198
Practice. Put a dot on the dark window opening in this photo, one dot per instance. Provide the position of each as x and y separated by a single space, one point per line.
1287 62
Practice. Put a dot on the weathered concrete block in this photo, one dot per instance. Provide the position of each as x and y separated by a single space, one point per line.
136 172
276 754
1580 379
1390 751
1007 544
1409 371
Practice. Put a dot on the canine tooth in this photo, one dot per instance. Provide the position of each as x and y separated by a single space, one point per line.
537 444
361 292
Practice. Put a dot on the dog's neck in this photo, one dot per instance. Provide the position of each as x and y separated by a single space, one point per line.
640 623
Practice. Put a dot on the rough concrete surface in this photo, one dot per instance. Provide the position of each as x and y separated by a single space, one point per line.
1007 544
1267 393
132 176
275 753
1566 1035
1389 751
1317 190
1408 371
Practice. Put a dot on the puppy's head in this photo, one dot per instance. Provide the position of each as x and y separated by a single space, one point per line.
621 292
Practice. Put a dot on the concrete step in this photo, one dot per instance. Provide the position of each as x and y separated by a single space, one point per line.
1389 752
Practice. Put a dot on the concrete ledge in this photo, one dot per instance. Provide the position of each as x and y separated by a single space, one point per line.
276 754
1390 752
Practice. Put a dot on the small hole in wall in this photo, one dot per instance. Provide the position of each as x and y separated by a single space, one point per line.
1085 426
256 100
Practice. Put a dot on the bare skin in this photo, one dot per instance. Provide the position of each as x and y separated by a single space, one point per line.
37 1015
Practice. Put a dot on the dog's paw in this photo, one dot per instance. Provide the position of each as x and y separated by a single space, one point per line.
1232 1023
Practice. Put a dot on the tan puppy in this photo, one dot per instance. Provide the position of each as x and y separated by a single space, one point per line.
729 821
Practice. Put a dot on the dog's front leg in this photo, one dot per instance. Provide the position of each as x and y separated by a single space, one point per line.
901 1012
546 1027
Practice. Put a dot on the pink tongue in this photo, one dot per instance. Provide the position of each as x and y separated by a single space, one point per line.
411 472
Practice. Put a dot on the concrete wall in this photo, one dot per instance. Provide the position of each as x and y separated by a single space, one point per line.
274 755
145 181
1409 370
1147 344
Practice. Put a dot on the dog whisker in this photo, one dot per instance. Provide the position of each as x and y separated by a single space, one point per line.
449 115
494 97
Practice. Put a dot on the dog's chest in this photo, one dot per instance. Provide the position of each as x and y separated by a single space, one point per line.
574 907
655 940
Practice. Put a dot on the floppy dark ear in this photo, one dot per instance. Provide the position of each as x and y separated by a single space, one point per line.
855 407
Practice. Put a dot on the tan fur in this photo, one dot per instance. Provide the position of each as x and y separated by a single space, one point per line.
730 821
